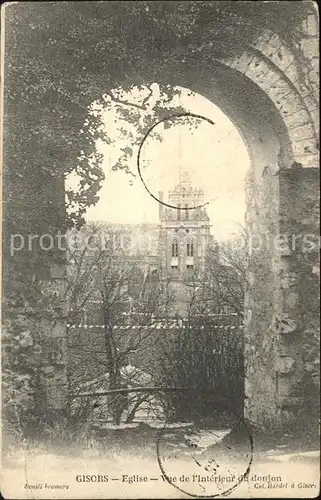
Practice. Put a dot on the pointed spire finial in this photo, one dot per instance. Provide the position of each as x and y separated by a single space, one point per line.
184 180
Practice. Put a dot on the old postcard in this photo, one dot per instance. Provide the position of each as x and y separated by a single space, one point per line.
160 278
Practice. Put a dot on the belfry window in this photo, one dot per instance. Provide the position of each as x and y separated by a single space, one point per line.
190 250
174 249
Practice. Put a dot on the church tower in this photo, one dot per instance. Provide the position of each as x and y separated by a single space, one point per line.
184 230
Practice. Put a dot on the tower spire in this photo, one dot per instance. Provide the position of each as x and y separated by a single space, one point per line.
184 180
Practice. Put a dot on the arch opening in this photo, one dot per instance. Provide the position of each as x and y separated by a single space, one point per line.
265 148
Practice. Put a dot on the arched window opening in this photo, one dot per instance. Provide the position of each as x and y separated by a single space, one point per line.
178 211
174 249
190 250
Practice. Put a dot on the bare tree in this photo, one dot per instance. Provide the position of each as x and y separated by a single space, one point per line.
209 343
125 299
221 286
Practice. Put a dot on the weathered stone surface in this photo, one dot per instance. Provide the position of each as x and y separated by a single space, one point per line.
284 364
267 39
274 49
305 146
259 70
287 280
307 160
293 113
284 324
302 132
284 386
278 90
247 389
57 271
279 346
241 62
285 348
292 300
289 402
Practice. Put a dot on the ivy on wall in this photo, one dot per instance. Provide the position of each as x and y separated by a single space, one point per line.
63 55
59 58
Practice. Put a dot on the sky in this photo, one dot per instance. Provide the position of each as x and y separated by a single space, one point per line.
213 155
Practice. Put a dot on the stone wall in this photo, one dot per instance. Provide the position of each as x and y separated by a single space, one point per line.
267 88
262 300
282 322
298 327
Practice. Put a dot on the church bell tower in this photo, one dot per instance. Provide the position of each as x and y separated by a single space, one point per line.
185 230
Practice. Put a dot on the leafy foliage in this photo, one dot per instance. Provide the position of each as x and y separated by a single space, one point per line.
63 56
22 363
128 118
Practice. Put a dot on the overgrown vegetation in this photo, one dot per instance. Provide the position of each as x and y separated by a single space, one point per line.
210 370
93 51
115 289
61 57
209 344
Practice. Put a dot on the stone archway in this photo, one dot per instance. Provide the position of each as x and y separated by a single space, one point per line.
279 129
269 91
